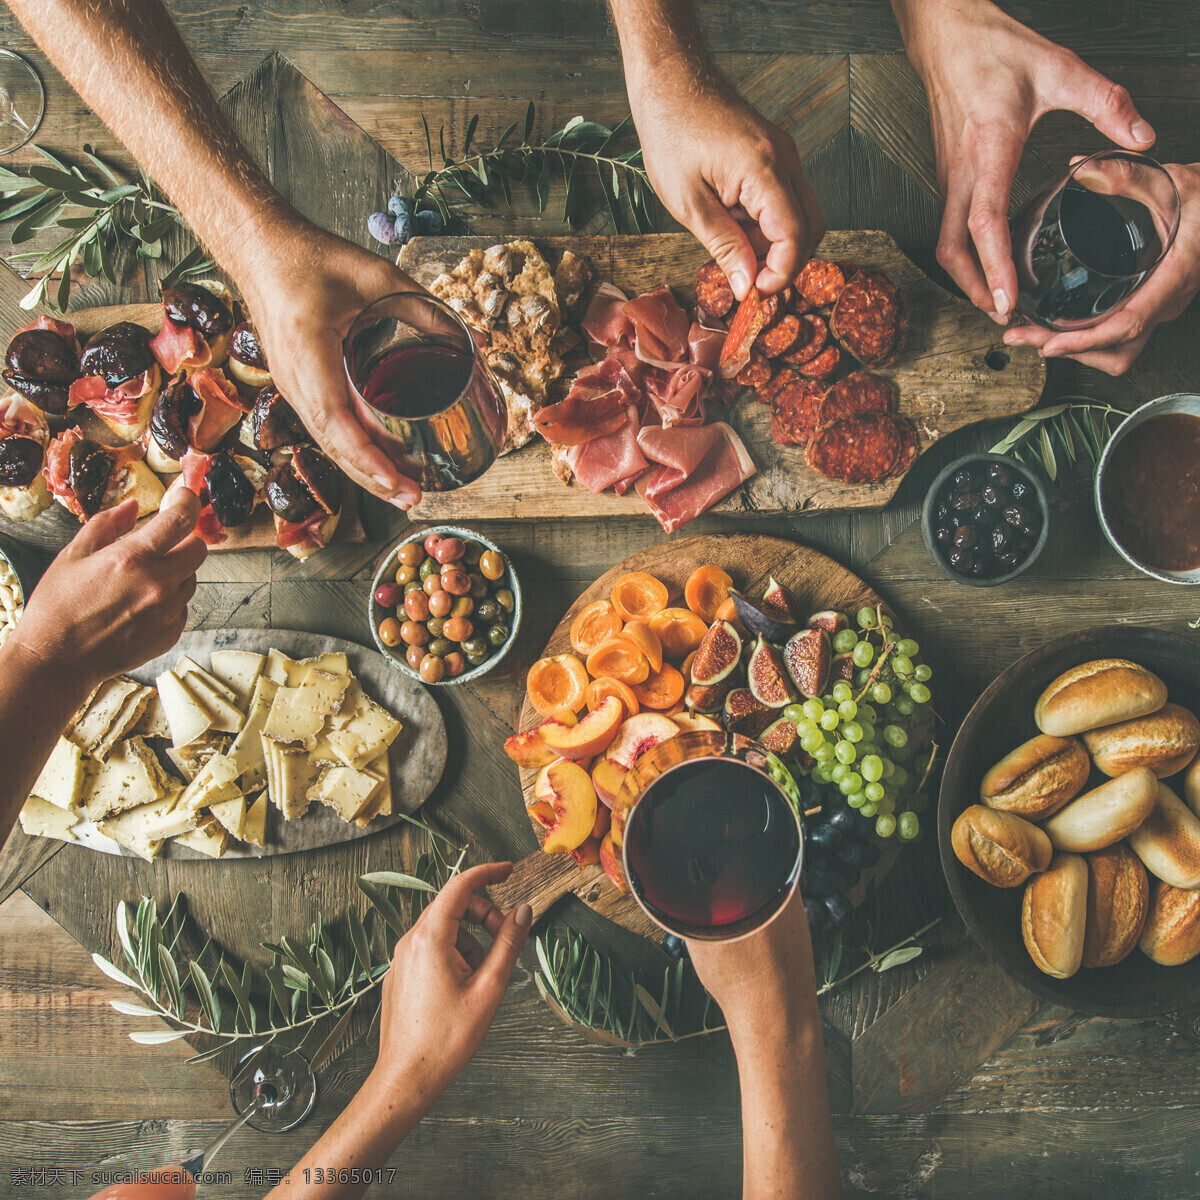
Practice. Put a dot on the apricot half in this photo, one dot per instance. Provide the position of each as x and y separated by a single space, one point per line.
591 736
573 800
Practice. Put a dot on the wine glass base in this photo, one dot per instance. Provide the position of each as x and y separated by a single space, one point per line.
22 100
286 1074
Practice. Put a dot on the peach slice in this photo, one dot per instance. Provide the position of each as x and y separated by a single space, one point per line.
588 854
639 734
528 750
607 778
643 636
610 860
603 823
695 723
542 811
541 785
589 737
573 800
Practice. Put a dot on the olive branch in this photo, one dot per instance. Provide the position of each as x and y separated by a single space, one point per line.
1080 428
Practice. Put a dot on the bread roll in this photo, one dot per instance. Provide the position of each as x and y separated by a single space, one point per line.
1191 786
1037 778
1165 741
1171 935
1168 841
1098 693
1054 915
1118 897
1000 847
1105 814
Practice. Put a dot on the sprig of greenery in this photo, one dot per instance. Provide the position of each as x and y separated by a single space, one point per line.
577 149
902 952
101 220
1080 428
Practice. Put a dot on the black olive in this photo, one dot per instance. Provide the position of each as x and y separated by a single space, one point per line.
991 496
941 513
999 538
193 305
1019 490
119 353
999 474
287 496
1031 528
274 422
943 535
1017 516
41 365
965 537
1009 558
177 403
20 461
978 569
320 476
962 479
229 491
965 502
961 560
90 469
245 347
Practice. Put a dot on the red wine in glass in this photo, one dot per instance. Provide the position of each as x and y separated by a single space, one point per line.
712 848
417 380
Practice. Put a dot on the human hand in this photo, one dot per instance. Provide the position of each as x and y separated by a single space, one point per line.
304 287
1113 345
729 175
990 80
115 597
443 990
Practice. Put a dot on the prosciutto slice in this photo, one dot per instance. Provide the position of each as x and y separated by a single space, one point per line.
704 344
19 418
594 407
307 532
612 461
180 347
605 324
57 468
118 404
64 329
194 467
660 328
678 398
220 409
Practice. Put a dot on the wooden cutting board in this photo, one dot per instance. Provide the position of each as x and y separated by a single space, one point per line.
817 582
955 370
52 530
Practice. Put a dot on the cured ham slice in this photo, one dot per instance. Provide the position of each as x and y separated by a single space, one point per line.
612 461
57 468
194 467
698 466
660 328
309 532
586 413
678 398
605 323
118 405
19 418
704 345
221 409
180 347
64 329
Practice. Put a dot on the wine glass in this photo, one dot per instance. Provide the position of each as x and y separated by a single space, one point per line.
415 370
22 100
711 844
1084 245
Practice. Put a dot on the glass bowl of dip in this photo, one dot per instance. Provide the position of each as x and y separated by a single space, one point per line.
1148 489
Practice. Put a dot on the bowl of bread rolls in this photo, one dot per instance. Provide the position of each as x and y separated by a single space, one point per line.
1069 821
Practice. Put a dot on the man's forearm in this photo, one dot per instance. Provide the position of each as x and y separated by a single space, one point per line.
661 36
127 61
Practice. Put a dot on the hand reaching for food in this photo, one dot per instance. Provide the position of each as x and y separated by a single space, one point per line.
989 80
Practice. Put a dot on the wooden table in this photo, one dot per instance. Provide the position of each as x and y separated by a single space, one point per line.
946 1079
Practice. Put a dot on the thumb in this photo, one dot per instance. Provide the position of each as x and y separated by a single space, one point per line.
105 528
175 520
506 946
1109 107
727 242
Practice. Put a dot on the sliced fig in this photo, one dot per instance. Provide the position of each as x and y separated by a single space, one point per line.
768 676
759 622
320 476
745 714
780 736
287 497
274 422
177 403
707 697
807 658
193 304
717 655
780 604
842 668
830 621
90 469
229 491
118 354
20 461
245 347
41 365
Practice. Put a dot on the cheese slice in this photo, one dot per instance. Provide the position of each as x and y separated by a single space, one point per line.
90 725
238 670
39 818
333 662
276 668
144 829
246 751
322 692
254 828
153 721
380 804
211 839
186 718
214 782
231 814
182 765
129 778
362 730
125 723
63 777
345 790
188 666
290 773
290 722
225 716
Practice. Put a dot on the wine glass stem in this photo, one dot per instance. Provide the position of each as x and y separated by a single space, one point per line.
198 1162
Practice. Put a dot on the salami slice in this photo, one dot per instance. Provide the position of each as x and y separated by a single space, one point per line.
910 445
823 366
747 324
859 392
713 293
814 333
870 319
860 449
820 283
772 307
756 373
794 406
779 338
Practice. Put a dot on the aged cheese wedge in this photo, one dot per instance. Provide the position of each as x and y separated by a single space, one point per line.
380 804
322 752
246 752
63 777
211 839
188 666
185 717
124 725
345 790
231 814
39 818
238 670
91 724
333 662
195 754
362 730
290 722
129 778
144 829
290 773
322 692
225 716
254 828
153 721
182 765
276 668
214 782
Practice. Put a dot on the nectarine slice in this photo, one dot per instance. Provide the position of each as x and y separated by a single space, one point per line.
596 623
679 631
573 800
607 777
590 737
638 596
610 860
557 683
706 590
542 811
639 734
603 822
620 658
695 723
606 685
587 855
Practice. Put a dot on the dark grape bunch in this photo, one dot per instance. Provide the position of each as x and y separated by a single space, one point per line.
986 521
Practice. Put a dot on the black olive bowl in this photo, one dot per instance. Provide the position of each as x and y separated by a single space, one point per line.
928 522
1001 719
387 571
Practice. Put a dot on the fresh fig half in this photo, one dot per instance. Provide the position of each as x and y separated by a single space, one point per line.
780 736
759 622
229 491
768 676
842 668
707 697
807 658
779 603
716 656
90 468
830 621
745 714
21 459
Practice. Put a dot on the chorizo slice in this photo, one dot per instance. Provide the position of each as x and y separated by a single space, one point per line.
713 293
823 366
756 373
814 333
870 319
859 392
794 407
859 449
820 283
776 340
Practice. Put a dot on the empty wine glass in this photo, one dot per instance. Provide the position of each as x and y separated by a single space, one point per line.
22 100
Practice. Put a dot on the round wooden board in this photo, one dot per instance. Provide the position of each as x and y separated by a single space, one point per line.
818 582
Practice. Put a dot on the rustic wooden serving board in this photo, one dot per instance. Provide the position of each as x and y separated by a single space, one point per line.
955 370
417 756
817 583
54 528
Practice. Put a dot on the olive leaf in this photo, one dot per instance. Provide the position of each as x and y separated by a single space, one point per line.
897 958
1080 426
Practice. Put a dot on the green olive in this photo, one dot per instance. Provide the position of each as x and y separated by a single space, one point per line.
476 660
476 645
428 567
440 646
506 599
434 625
479 587
413 585
498 635
487 610
471 553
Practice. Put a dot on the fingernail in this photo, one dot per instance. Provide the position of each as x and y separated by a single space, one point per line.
1000 300
403 503
999 318
1141 131
740 282
523 916
387 482
1013 338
